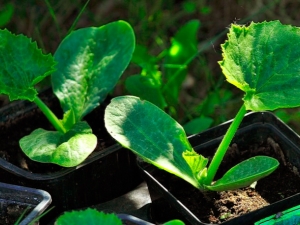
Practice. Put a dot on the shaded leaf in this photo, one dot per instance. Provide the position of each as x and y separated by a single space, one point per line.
198 125
140 86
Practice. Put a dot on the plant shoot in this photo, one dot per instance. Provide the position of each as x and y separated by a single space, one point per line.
85 68
262 60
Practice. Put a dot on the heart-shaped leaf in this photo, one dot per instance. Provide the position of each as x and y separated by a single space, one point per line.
90 63
153 135
23 65
68 150
245 173
262 59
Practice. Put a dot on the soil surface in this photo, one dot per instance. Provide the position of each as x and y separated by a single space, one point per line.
217 207
11 212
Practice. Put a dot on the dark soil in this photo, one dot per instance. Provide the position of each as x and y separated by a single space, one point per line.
217 207
11 212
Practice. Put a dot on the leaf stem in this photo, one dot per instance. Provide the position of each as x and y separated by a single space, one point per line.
222 149
50 115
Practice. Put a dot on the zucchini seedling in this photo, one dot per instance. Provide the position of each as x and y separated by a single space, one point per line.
85 68
261 59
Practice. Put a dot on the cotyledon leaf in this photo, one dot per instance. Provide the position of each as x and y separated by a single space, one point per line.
22 65
245 173
90 63
153 135
263 60
65 149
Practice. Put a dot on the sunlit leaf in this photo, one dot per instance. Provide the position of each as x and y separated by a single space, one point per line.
245 173
87 216
90 63
262 59
23 65
154 136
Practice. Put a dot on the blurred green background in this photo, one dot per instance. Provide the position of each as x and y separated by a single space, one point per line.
178 47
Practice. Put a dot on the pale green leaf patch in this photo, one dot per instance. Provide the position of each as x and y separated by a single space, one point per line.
68 150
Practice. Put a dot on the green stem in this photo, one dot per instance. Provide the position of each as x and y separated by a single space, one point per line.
50 115
218 157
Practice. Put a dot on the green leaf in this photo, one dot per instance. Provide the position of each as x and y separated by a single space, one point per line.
263 61
198 125
152 134
90 63
87 216
197 164
23 65
142 86
68 119
174 222
183 47
6 14
142 57
68 150
245 173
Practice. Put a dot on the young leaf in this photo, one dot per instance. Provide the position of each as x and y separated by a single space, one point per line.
23 65
245 173
68 150
90 63
153 135
87 216
263 61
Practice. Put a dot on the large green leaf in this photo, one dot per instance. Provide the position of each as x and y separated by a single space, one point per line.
90 63
245 173
23 65
262 59
68 150
154 136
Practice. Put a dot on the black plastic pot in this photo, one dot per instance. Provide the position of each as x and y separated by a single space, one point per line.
133 220
255 128
104 175
13 197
